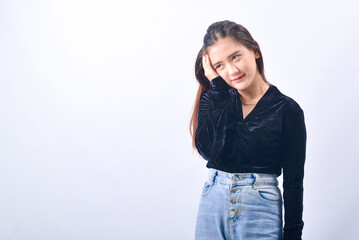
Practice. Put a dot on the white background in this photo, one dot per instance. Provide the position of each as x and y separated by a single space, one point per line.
96 99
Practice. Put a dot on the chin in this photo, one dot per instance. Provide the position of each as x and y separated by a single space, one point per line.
239 86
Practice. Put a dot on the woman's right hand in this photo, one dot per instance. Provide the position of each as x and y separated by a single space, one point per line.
209 72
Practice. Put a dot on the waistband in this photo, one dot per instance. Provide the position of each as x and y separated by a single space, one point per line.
215 175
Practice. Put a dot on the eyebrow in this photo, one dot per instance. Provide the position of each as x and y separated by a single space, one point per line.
228 57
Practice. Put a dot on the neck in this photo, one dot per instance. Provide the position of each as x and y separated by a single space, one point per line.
255 91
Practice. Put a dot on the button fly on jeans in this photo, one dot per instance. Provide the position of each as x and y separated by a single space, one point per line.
232 212
234 201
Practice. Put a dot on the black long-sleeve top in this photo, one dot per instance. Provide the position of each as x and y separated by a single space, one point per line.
272 137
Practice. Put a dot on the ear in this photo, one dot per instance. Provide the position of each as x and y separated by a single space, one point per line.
256 54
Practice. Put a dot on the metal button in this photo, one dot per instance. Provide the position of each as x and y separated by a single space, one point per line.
236 179
232 201
232 212
233 190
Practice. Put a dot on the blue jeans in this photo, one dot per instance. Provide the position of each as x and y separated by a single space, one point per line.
245 206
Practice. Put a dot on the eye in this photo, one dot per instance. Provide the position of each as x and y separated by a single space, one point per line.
235 57
218 66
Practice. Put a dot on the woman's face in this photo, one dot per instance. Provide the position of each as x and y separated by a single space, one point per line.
235 63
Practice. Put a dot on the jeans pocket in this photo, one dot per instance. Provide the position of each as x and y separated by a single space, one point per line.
269 193
206 188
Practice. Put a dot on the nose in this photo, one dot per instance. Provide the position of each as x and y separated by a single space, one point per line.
233 70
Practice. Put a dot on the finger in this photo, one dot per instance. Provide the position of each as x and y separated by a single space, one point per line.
203 60
210 63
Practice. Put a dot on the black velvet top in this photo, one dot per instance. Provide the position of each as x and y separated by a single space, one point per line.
272 137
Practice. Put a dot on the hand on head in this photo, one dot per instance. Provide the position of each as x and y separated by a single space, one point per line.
209 72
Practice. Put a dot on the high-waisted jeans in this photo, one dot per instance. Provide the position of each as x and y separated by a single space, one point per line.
243 206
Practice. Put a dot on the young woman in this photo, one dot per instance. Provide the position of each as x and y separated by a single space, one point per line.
248 131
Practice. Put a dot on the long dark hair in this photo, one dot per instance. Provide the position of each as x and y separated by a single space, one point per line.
216 31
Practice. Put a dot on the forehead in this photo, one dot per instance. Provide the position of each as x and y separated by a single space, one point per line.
224 47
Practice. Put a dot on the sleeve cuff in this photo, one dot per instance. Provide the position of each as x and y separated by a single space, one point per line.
219 83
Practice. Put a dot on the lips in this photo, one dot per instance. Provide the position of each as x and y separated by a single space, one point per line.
238 79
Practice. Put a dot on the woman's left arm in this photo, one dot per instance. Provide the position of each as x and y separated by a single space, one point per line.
294 154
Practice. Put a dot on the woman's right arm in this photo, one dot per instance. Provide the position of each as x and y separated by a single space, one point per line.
215 115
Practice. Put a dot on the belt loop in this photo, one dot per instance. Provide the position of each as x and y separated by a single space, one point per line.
211 174
255 184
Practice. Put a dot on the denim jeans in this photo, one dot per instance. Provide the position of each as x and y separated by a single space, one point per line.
244 206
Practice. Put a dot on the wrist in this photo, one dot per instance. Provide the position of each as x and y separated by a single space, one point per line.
213 77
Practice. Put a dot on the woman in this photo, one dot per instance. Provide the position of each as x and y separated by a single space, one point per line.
248 131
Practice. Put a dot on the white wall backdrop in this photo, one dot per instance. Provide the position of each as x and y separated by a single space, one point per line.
96 98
